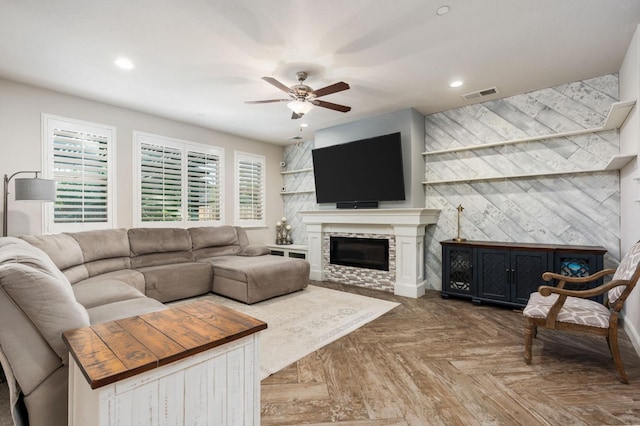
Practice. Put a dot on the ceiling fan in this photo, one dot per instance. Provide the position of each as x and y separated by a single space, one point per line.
302 97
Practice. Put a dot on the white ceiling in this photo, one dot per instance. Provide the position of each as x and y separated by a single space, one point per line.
198 60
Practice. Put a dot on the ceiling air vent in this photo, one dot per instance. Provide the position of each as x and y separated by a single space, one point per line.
480 94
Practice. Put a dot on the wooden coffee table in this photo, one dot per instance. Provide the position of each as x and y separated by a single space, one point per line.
195 363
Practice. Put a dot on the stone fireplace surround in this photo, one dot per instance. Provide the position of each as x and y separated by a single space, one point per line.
360 276
406 225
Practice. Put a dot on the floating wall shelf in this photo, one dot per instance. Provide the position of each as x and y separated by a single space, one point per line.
290 172
491 178
617 115
616 163
304 191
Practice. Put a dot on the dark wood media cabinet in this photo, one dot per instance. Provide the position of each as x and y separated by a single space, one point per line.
507 273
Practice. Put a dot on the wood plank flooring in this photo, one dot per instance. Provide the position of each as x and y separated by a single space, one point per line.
432 361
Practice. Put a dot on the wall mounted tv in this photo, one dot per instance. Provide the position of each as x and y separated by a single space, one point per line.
361 173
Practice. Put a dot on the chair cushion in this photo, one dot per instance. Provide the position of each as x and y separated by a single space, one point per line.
574 311
625 271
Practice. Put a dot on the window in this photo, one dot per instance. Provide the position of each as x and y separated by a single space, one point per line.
160 183
203 202
179 183
79 157
250 189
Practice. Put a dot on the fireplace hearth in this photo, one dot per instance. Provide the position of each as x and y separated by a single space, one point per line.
368 253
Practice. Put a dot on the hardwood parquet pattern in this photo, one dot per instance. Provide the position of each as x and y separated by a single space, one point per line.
432 361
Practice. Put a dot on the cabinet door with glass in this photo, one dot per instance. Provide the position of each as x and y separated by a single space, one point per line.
457 271
573 264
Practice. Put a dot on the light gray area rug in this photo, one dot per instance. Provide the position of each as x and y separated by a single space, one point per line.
302 322
298 324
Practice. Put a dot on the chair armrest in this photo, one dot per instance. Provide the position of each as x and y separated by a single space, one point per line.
547 290
548 276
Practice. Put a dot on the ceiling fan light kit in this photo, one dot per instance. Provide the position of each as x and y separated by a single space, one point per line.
302 98
300 107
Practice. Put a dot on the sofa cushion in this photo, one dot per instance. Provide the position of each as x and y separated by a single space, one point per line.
167 283
259 277
31 357
254 250
213 236
42 292
203 253
102 244
124 309
95 292
129 277
158 240
159 246
214 241
243 238
63 249
81 255
159 259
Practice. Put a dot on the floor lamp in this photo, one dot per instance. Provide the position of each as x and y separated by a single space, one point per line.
27 189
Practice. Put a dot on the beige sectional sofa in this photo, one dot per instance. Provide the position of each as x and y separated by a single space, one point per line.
53 283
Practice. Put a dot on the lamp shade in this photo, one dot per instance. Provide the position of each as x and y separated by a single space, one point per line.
35 189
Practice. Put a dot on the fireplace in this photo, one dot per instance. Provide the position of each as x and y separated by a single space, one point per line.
368 253
404 229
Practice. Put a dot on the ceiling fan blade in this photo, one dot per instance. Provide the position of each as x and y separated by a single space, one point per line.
338 87
276 83
295 115
267 101
335 107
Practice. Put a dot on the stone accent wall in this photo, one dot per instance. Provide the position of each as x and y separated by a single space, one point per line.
298 157
361 277
580 209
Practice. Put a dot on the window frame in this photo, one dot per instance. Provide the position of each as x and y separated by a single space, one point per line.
185 147
48 218
249 223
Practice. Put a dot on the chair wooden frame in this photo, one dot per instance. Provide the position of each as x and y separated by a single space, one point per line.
551 322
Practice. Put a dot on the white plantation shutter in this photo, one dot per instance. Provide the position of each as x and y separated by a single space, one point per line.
78 159
250 190
203 203
179 183
160 183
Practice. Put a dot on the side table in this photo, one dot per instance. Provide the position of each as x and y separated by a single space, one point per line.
196 363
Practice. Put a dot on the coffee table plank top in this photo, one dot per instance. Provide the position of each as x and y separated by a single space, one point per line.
112 351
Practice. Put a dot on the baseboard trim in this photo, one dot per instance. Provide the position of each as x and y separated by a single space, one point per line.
631 331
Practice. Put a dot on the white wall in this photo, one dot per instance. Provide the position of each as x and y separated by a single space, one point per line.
21 107
629 77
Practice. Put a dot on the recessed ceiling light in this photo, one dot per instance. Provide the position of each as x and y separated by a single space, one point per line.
443 10
124 63
456 83
304 125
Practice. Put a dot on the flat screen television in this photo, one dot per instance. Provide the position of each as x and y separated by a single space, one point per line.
360 173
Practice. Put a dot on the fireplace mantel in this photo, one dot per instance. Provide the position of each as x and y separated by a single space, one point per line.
407 225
